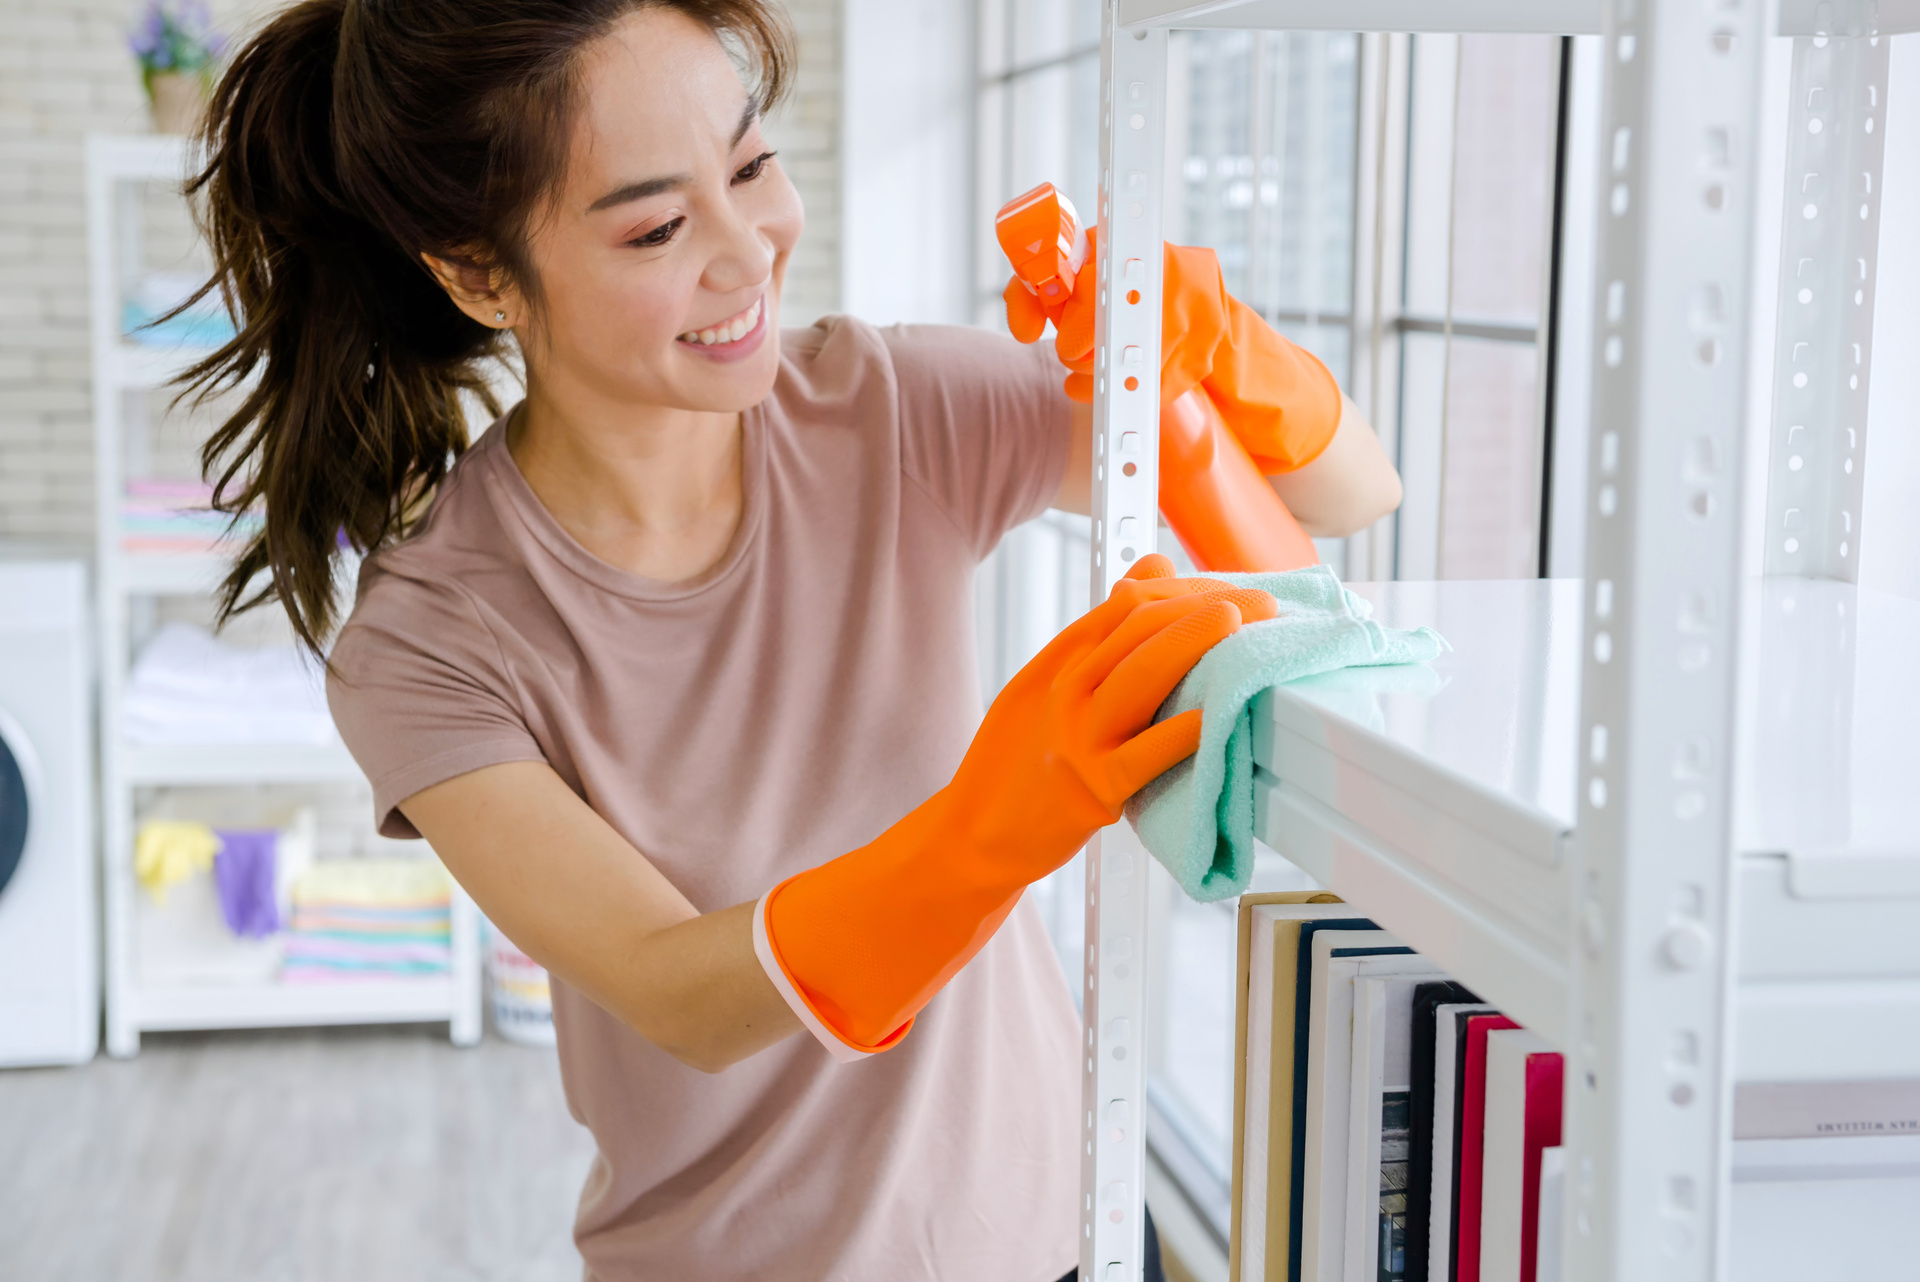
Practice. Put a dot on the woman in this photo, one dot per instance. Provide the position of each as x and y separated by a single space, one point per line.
690 624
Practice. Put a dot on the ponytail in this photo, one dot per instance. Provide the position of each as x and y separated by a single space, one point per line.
348 138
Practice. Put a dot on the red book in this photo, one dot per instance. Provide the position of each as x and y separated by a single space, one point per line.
1473 1135
1545 1078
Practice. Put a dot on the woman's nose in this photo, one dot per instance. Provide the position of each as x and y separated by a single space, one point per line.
741 255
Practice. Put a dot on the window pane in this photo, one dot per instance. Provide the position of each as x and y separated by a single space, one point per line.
1501 174
1509 88
1479 197
1492 465
1486 525
1265 177
1303 255
1219 162
1044 29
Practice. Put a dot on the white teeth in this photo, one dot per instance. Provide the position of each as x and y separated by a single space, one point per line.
731 332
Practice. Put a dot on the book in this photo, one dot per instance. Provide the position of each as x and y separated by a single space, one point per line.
1339 960
1814 1110
1267 952
1422 1037
1522 1118
1470 1143
1302 1026
1450 1025
1377 1135
1550 1253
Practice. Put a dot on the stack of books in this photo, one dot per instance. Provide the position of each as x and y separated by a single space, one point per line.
1388 1123
1389 1126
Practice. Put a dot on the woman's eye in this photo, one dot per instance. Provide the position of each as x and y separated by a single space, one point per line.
751 170
659 235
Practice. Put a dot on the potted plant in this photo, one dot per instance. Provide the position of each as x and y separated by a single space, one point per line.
177 46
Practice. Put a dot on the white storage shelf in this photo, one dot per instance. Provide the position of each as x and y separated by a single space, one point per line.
452 997
1445 807
122 371
180 765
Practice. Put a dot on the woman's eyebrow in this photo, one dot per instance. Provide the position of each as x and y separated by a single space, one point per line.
639 191
656 186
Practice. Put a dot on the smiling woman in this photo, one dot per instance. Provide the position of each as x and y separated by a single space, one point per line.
674 666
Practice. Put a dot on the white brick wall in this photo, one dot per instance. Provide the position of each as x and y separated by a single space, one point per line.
807 132
65 71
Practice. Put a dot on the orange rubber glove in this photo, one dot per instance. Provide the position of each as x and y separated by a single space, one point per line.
1277 399
860 944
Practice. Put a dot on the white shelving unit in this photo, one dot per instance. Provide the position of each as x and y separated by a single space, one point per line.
123 371
1656 816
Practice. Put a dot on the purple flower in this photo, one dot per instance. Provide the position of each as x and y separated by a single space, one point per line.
177 36
147 39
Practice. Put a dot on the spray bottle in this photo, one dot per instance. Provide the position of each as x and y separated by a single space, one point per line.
1219 506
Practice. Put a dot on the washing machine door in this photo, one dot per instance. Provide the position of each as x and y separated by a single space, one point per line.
15 809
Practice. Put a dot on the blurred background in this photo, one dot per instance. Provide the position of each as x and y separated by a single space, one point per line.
323 1063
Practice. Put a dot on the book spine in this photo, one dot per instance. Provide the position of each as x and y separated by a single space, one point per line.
1545 1075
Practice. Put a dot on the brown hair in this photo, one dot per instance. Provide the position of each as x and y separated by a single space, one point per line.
345 140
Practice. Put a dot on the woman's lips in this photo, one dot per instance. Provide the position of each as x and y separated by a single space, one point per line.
733 337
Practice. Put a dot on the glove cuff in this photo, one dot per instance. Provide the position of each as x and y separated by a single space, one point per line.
843 1049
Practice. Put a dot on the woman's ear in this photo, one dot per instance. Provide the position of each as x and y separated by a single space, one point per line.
478 292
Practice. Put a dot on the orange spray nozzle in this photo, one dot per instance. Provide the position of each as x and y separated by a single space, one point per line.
1040 233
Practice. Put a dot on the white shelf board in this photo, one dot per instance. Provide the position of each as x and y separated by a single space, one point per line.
138 157
1441 797
1553 17
170 764
1489 738
1443 801
291 1005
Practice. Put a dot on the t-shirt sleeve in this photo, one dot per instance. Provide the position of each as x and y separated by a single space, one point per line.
419 693
984 425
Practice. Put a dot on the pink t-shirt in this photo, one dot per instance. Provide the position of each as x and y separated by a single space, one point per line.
783 708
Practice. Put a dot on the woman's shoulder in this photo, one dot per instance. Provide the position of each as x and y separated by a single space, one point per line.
838 358
422 579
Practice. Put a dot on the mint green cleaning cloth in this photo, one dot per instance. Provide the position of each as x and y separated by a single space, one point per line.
1197 818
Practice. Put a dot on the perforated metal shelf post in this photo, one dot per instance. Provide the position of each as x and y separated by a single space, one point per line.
1126 488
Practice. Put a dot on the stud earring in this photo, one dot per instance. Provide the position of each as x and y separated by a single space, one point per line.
499 316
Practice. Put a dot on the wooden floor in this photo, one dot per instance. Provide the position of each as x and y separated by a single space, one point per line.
341 1155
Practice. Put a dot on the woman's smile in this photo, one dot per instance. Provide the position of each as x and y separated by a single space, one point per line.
732 338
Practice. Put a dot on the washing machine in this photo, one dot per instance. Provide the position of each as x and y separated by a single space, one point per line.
49 951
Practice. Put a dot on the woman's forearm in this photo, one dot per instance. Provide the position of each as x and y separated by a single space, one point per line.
579 899
705 998
1349 486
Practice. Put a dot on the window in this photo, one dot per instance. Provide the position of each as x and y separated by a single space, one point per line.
1477 212
1388 202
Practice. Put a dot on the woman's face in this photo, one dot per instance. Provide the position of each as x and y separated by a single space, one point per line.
662 258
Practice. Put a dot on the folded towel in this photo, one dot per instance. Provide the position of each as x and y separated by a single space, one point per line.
399 882
1197 818
186 687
